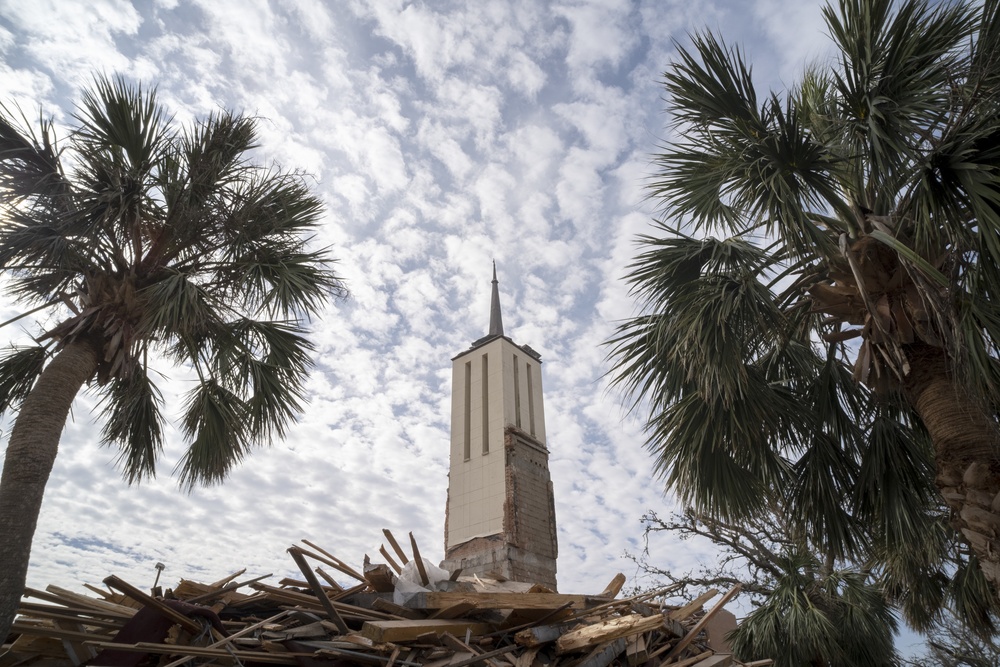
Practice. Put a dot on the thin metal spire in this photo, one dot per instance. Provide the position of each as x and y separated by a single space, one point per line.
496 321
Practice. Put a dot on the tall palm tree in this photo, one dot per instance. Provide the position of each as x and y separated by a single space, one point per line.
148 243
835 347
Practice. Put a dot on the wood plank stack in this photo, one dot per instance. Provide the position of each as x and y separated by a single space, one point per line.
468 621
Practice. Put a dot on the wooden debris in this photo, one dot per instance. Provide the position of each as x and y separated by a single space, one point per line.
397 631
465 622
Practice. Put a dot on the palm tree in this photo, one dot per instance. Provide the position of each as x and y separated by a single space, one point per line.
149 243
834 350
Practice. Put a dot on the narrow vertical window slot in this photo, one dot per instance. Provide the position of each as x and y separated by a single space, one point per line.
486 405
517 394
467 436
531 400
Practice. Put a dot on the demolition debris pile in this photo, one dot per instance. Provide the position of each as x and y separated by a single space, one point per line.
400 614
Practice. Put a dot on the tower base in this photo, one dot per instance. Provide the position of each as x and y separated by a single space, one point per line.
494 557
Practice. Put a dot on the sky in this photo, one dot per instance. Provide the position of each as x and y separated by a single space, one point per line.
441 136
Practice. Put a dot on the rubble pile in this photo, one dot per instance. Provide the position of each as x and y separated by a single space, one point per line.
404 612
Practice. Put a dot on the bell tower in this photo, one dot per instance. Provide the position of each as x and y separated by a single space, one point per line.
500 517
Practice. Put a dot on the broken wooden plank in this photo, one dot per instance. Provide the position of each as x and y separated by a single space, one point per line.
500 600
341 565
383 605
389 560
395 546
309 602
419 562
30 610
592 634
693 606
71 599
693 632
317 589
614 587
456 610
380 578
335 563
396 631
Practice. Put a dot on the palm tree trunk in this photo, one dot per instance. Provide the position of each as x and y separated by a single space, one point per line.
966 453
34 442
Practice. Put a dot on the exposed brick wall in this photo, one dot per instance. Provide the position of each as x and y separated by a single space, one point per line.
527 548
529 509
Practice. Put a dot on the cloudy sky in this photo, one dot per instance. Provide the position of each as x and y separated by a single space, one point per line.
441 136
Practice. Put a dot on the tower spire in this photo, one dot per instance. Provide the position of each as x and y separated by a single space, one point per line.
496 321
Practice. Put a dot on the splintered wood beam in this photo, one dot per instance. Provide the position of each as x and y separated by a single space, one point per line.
395 546
693 606
144 598
389 560
296 554
419 561
614 587
602 632
702 622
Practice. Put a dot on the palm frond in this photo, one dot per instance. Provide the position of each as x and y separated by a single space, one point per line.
19 368
133 423
267 362
973 600
215 422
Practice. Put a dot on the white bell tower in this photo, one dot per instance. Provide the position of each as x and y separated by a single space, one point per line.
500 516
